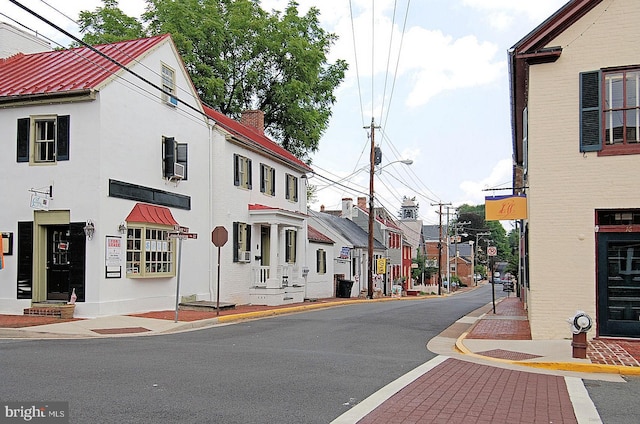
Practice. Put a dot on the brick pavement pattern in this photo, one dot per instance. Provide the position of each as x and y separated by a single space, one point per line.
459 392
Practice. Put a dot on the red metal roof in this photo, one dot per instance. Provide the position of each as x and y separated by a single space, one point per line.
151 214
317 236
248 133
68 70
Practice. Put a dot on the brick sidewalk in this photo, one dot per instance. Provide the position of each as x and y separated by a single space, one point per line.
463 392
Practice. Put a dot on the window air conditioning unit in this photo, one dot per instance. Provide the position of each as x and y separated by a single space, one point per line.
244 256
178 171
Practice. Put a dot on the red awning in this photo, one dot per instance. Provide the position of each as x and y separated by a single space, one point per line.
151 214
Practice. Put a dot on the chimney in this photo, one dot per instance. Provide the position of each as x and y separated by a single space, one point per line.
321 208
347 208
253 119
362 203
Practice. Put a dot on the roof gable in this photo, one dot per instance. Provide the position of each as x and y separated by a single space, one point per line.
255 139
71 70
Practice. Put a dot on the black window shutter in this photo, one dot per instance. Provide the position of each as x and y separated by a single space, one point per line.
248 237
590 112
25 259
23 139
318 256
263 185
249 183
294 234
62 140
236 170
295 189
182 154
169 156
273 182
236 245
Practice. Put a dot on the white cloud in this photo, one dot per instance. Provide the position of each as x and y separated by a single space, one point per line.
500 13
440 63
500 177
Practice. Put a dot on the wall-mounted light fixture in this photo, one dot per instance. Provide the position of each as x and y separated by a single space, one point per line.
122 228
89 229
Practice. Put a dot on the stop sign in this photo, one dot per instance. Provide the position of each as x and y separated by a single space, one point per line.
219 236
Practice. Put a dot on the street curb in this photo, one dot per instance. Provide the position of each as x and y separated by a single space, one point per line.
557 366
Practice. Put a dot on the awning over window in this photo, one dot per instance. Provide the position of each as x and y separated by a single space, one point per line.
150 214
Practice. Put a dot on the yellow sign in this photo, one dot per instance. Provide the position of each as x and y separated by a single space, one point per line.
381 266
502 208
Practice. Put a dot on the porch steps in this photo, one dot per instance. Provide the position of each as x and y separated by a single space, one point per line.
204 305
59 310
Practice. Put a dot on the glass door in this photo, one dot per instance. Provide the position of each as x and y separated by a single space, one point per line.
619 284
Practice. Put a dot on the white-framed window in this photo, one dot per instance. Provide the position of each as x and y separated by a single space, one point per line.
321 261
169 85
43 139
290 249
241 242
267 179
241 171
150 251
291 188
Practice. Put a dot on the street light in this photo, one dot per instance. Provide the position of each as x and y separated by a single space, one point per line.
372 170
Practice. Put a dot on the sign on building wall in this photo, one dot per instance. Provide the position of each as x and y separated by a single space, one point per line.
113 257
504 208
381 266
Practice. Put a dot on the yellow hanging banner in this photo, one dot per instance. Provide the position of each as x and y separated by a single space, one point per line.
381 266
503 208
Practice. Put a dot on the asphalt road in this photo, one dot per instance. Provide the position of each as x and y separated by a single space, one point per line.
308 367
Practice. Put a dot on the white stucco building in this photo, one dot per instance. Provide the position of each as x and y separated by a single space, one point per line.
103 165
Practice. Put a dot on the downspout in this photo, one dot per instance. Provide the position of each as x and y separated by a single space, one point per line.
210 125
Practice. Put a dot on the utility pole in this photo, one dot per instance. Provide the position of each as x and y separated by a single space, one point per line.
440 205
370 241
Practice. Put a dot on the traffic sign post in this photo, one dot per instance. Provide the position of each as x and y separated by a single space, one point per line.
492 251
219 237
180 233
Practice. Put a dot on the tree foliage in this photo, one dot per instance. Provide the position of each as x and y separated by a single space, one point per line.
241 57
475 215
108 24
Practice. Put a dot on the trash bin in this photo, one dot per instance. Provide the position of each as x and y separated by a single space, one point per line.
344 288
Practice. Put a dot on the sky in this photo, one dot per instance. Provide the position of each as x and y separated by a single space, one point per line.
431 75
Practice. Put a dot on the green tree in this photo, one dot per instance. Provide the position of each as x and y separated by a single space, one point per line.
108 24
241 57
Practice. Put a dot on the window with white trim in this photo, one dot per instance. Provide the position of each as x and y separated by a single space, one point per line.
291 188
241 242
290 248
169 85
321 261
241 171
150 251
43 139
267 180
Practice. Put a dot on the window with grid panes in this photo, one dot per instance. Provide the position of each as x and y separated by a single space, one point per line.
150 252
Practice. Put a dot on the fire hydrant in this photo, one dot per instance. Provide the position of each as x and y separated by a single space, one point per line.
580 325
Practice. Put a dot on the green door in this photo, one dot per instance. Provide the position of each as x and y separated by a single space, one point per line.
619 284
